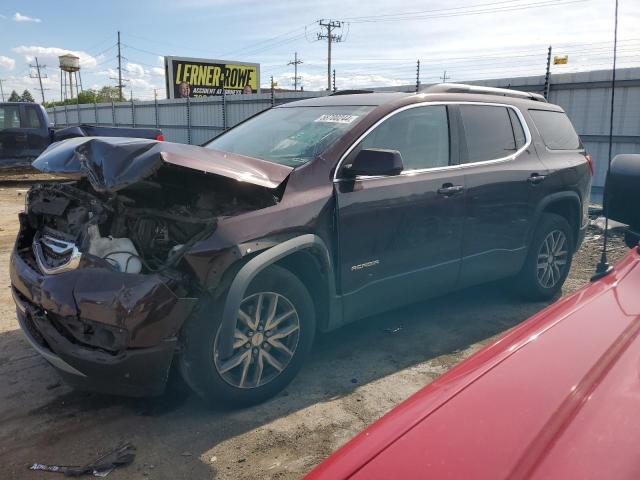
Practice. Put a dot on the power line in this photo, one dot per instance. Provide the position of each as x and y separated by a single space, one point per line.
330 25
510 8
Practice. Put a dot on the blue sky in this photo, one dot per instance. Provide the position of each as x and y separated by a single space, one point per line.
470 39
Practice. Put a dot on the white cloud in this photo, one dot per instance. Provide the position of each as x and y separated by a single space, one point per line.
18 17
157 71
135 70
51 54
6 62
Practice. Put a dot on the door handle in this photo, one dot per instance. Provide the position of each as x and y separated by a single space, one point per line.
449 189
535 179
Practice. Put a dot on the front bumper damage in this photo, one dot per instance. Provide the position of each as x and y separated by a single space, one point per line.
103 330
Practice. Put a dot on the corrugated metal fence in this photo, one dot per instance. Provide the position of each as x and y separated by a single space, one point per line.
192 121
585 96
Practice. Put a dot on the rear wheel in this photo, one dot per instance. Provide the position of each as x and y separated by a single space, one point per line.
549 259
273 333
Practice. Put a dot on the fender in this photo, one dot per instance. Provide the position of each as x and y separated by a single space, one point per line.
258 263
552 198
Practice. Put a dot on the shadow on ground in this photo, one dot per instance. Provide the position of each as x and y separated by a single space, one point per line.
173 432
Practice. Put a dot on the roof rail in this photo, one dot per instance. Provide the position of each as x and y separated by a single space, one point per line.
464 88
350 92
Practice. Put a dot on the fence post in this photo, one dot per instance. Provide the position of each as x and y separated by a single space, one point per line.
78 111
155 101
224 110
133 113
113 113
188 104
95 113
66 116
273 98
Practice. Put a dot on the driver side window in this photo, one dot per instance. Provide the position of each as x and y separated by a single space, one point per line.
420 134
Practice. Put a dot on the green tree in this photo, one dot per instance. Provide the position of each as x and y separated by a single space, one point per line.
27 97
87 96
108 94
14 97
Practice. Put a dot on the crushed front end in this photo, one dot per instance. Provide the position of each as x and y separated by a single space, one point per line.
98 274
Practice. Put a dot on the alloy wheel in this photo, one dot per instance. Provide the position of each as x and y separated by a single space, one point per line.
552 259
265 340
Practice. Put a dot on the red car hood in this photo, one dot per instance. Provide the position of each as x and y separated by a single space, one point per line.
556 398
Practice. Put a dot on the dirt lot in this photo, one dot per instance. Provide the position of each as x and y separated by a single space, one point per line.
354 376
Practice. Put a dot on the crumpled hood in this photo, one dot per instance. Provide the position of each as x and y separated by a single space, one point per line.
113 163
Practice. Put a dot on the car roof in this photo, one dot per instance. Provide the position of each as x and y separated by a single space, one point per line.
399 99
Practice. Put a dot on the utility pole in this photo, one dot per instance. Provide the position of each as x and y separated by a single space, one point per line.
39 76
1 90
444 77
119 69
334 81
418 76
295 64
547 75
330 25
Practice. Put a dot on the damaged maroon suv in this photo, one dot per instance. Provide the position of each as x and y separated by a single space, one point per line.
221 262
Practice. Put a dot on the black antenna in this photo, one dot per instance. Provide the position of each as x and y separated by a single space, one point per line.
603 267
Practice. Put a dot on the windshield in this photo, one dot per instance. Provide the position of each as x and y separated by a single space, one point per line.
292 135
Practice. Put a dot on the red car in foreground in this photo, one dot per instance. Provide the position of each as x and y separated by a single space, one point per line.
558 397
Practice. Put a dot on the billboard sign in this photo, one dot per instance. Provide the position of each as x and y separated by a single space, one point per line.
200 77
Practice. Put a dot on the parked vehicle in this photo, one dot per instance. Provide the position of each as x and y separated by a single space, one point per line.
25 132
555 398
224 260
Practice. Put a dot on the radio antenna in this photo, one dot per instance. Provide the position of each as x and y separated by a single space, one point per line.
603 267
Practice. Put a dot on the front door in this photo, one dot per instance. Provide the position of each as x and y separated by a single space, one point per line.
400 236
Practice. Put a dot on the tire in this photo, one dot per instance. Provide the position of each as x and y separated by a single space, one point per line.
539 279
265 367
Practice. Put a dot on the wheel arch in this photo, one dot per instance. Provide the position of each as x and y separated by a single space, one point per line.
304 255
566 204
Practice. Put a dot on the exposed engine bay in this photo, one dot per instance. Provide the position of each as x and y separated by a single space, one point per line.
145 227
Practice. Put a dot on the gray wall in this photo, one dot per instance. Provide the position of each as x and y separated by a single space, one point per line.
585 96
194 121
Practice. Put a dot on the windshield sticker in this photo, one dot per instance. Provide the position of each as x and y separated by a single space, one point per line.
336 118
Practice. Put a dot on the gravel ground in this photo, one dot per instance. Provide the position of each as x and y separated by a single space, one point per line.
354 376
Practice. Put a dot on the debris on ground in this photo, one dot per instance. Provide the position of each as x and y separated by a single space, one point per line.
100 467
599 223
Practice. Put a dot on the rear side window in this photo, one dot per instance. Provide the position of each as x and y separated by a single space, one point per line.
33 119
420 134
10 116
556 130
488 131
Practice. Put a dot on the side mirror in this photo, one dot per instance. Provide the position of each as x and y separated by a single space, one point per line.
622 191
375 162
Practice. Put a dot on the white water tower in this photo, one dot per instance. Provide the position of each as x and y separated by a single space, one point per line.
69 64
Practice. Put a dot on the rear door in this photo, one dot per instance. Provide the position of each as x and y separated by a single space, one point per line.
503 176
400 236
35 128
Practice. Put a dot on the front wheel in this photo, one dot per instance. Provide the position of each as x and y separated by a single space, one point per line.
548 260
273 333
